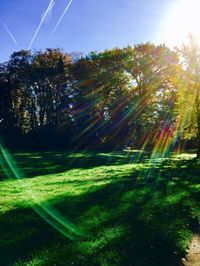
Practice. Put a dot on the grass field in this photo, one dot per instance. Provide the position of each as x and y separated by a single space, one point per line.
120 208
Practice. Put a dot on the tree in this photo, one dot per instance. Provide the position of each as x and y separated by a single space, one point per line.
102 98
151 71
189 92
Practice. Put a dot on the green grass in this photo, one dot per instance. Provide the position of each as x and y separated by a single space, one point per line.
119 208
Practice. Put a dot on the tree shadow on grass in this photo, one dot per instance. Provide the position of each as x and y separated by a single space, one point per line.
44 163
141 219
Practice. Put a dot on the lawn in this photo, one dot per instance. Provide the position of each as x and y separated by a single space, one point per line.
93 208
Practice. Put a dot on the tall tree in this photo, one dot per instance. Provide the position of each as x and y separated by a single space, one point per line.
189 91
151 70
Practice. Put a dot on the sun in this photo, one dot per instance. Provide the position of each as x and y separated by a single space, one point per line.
183 18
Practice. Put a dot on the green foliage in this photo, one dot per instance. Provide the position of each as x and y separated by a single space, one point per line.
104 100
189 92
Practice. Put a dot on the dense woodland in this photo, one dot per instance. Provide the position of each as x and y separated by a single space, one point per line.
103 100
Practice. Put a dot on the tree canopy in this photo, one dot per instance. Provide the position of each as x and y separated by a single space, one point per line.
136 96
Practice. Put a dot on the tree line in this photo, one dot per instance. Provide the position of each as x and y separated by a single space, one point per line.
131 96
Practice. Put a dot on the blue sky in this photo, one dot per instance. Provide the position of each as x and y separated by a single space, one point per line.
88 25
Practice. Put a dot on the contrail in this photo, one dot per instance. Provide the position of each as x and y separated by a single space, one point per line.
58 23
42 20
10 34
49 15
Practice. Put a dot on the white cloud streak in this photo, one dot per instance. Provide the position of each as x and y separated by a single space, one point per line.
8 31
41 22
60 19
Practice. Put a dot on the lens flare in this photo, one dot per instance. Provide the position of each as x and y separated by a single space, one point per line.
48 213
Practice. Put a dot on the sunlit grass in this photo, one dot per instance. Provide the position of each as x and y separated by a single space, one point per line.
129 211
